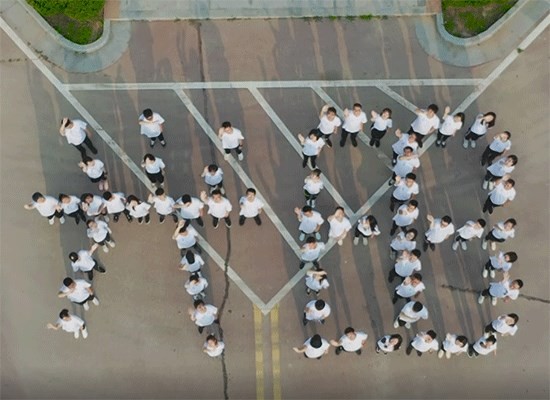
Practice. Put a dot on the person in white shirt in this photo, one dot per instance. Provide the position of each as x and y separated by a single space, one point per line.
453 344
408 162
213 177
310 252
71 207
94 206
505 324
425 123
316 279
468 232
403 241
404 140
484 346
405 190
501 195
423 342
186 238
505 289
411 287
350 342
503 262
154 168
313 184
481 124
328 124
138 209
450 126
380 125
314 347
69 323
389 343
310 222
212 346
83 261
339 226
503 166
410 313
152 126
500 144
100 233
95 169
196 285
311 148
77 133
203 314
500 233
353 124
251 207
316 310
190 209
218 207
164 205
440 230
191 262
78 291
407 263
232 139
405 216
115 204
367 228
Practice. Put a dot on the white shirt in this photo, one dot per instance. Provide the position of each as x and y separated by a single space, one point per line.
216 351
450 126
189 240
93 208
338 228
401 243
219 210
315 284
500 146
213 180
80 292
484 350
72 206
408 315
140 210
499 195
405 267
355 344
502 327
309 254
353 123
95 171
422 124
421 345
152 128
195 266
250 208
312 352
500 233
99 233
384 344
500 168
312 148
409 290
155 167
381 124
502 289
76 134
364 227
403 217
327 127
116 204
163 206
438 233
72 325
479 127
498 262
403 192
84 263
313 186
193 210
196 288
309 224
403 142
450 346
231 140
206 318
404 166
312 314
469 231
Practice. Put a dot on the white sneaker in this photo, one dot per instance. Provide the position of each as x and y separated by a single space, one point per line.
111 243
491 185
51 221
317 236
465 143
448 355
61 220
340 242
226 156
492 273
480 299
493 246
222 191
485 184
396 324
84 333
484 273
365 241
106 218
312 203
455 246
105 249
240 157
95 301
76 335
464 246
440 354
484 244
494 301
86 306
408 325
472 144
356 241
302 237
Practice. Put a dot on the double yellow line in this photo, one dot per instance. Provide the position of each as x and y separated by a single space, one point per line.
275 353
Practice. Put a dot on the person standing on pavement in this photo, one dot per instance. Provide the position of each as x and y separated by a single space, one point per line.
505 324
423 342
196 285
164 205
500 233
350 342
453 344
407 264
218 207
317 311
203 315
503 166
190 209
251 207
389 343
314 347
411 287
484 346
501 143
310 252
310 222
212 346
380 125
213 177
367 228
405 216
138 209
313 184
440 230
353 124
71 207
468 232
115 204
69 323
403 140
316 279
154 168
328 124
502 194
450 126
47 206
426 122
311 148
506 289
186 238
191 262
77 133
100 233
152 127
232 139
78 291
83 261
480 126
94 206
95 169
405 190
339 226
410 313
407 163
403 241
503 262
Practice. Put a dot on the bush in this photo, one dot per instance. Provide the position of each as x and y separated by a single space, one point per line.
81 10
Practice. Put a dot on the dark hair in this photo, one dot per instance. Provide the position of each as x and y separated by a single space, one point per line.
413 203
64 313
182 229
417 253
431 334
226 124
315 341
357 105
388 110
519 282
349 329
62 196
417 306
311 239
434 108
87 159
251 190
461 116
492 123
463 340
313 132
512 256
399 338
482 222
492 339
67 281
306 209
85 196
514 158
511 182
331 110
149 156
197 303
339 208
412 231
69 122
373 223
147 113
507 134
107 195
190 257
410 175
216 192
447 219
194 277
89 222
408 148
316 171
512 221
211 337
417 276
132 198
515 317
73 256
212 168
186 198
159 192
320 304
37 196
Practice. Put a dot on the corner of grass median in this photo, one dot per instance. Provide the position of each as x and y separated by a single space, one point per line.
467 18
80 21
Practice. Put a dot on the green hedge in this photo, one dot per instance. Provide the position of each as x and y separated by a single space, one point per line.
81 10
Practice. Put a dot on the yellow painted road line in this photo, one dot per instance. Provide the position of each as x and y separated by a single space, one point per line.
258 338
275 353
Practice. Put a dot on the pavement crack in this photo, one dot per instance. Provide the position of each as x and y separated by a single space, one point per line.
470 290
221 308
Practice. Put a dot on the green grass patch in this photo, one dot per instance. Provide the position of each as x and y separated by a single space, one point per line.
467 18
80 21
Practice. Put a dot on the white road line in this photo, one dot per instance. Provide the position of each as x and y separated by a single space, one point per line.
296 146
397 97
272 84
76 104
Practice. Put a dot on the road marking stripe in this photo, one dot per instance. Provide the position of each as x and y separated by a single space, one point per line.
397 97
275 353
259 346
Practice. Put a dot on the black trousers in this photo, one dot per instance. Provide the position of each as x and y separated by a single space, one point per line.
82 150
489 156
376 136
442 138
472 136
57 214
97 267
491 238
237 149
344 137
199 220
419 137
489 205
312 161
78 215
154 178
